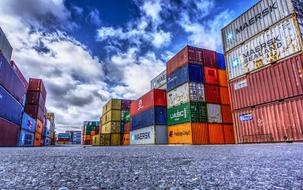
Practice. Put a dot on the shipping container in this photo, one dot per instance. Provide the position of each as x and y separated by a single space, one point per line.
5 47
180 134
159 80
105 139
127 127
211 76
125 115
111 127
229 136
28 123
35 98
115 139
35 111
47 141
96 140
19 74
10 81
26 138
9 133
212 94
153 116
187 73
276 82
273 122
125 104
255 20
155 97
210 58
276 43
45 132
112 115
224 95
185 93
188 55
214 114
10 108
187 112
221 61
222 78
200 133
216 133
226 114
37 85
37 140
125 139
149 135
113 104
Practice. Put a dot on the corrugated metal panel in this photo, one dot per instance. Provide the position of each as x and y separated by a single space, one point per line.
9 133
115 139
105 139
111 127
224 95
210 58
145 135
37 85
221 61
180 134
126 139
37 140
112 115
226 114
153 116
5 46
113 104
274 122
26 138
200 133
211 76
212 94
35 111
187 92
159 80
279 81
222 78
229 136
278 42
261 16
214 114
125 104
216 133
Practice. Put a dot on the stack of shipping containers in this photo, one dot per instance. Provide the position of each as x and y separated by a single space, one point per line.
148 118
197 98
89 129
35 107
51 119
115 125
63 138
75 137
263 52
159 82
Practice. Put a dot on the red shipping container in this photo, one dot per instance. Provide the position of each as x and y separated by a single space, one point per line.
210 58
277 82
273 122
34 111
211 76
127 127
9 133
226 114
19 74
37 85
155 97
10 81
224 95
187 55
212 94
35 98
216 134
229 136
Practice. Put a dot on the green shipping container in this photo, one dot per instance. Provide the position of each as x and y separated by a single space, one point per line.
125 116
188 112
105 139
90 126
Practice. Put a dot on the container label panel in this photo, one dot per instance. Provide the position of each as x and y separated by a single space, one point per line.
246 117
181 134
143 136
240 84
159 81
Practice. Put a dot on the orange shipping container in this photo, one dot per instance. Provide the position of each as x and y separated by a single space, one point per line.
229 136
39 126
224 95
87 138
180 134
226 114
216 134
126 140
37 139
222 78
92 133
200 133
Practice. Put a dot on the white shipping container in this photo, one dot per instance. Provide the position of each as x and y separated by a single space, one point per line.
258 18
187 92
159 81
280 41
214 114
149 135
5 46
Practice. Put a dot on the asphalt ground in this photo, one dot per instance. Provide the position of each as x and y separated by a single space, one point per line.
260 166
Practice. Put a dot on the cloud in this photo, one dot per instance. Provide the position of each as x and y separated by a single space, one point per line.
94 17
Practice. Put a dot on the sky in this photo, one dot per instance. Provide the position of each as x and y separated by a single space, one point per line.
88 51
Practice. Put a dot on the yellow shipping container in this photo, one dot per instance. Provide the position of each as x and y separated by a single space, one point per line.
113 104
96 140
115 139
180 134
113 115
111 127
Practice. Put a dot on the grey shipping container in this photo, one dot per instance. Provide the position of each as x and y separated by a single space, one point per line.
5 46
149 135
258 18
159 81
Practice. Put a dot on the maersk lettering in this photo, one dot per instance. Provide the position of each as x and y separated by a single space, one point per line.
257 17
142 136
263 49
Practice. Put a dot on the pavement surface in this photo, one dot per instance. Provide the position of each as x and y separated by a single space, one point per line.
261 166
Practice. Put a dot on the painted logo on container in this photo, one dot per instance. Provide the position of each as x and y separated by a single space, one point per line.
240 84
179 133
246 117
177 115
140 105
141 136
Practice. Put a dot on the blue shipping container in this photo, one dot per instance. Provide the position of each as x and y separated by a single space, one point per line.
221 61
189 72
26 138
45 132
153 116
28 123
10 108
46 141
